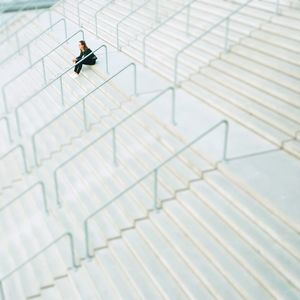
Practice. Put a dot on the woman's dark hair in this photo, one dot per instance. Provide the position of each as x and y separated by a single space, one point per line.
83 43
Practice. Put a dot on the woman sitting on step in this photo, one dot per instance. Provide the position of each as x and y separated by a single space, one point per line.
89 60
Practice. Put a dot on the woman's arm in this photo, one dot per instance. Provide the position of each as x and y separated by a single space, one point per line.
77 58
80 56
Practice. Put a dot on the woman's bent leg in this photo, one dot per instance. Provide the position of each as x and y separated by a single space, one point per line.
89 62
78 68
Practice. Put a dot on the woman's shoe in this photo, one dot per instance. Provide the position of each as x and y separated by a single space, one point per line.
74 75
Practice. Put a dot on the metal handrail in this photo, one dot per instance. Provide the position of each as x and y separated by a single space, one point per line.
5 119
42 60
75 265
83 101
128 16
23 155
59 77
224 20
96 15
112 130
43 190
186 6
154 172
27 45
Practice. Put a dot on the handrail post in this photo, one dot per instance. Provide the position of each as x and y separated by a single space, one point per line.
44 71
106 59
84 115
61 91
50 21
18 42
87 239
118 42
24 159
226 34
50 18
41 183
9 131
10 137
58 202
173 113
18 122
114 143
155 190
29 54
4 100
65 28
226 135
135 79
34 151
72 248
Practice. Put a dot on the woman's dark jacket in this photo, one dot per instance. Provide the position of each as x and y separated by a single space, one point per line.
86 52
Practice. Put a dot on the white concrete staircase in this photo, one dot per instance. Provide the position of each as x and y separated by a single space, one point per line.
257 83
163 44
88 178
109 13
186 250
272 110
219 234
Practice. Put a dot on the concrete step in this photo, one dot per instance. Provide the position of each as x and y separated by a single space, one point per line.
268 73
240 282
280 260
293 147
189 252
132 268
151 263
171 260
124 288
273 282
267 59
256 211
263 129
256 109
277 51
259 82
